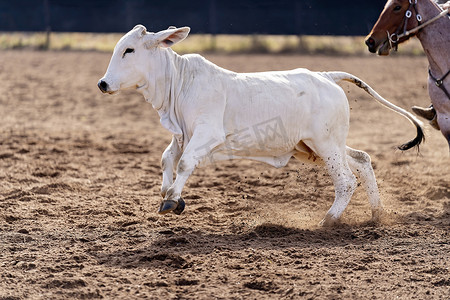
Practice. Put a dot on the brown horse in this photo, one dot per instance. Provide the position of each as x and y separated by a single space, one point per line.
402 19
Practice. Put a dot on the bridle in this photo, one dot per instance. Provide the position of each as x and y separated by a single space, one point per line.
396 36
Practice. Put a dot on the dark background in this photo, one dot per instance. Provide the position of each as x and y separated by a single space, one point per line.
311 17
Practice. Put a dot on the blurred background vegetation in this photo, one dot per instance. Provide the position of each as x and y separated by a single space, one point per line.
203 43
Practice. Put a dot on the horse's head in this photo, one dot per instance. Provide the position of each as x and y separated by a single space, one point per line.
396 17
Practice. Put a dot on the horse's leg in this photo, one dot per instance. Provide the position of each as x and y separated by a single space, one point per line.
441 104
443 120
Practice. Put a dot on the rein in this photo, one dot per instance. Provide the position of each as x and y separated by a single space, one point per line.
395 37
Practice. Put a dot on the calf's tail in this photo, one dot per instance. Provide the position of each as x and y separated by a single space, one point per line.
343 76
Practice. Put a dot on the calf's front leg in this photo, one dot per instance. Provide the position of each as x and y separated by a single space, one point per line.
198 150
169 160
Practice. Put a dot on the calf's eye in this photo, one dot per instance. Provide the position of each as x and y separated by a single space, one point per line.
128 50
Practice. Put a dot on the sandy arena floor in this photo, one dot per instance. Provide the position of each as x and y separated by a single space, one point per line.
79 192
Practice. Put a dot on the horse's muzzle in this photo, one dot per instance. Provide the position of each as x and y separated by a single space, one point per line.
371 44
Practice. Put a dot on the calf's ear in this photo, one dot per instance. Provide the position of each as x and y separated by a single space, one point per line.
141 29
169 37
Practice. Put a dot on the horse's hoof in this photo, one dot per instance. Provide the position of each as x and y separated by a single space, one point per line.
167 206
180 207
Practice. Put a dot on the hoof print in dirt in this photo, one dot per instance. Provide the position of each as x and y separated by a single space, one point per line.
176 207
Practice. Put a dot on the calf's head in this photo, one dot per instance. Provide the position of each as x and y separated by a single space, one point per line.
136 57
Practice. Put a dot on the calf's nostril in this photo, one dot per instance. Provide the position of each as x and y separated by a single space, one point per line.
103 86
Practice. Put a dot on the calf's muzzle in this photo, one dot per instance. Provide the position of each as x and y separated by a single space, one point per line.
103 86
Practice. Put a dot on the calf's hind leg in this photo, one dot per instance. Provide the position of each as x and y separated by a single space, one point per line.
360 164
344 181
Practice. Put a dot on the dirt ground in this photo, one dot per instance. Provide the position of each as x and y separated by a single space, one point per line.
79 193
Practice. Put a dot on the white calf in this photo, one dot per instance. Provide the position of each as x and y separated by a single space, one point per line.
215 114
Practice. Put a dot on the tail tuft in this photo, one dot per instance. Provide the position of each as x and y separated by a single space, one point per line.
420 137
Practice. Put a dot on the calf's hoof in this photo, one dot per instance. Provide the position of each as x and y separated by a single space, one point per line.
180 207
168 206
377 215
328 221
